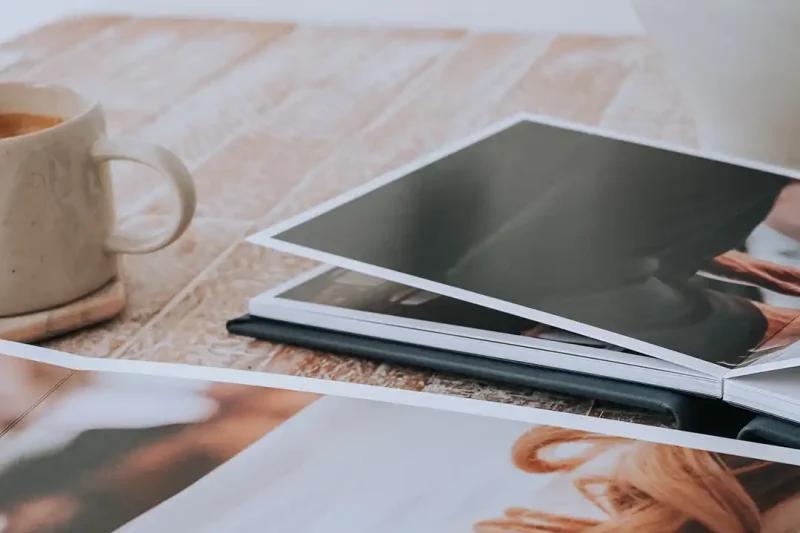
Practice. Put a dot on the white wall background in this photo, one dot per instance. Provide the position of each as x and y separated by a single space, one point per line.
585 16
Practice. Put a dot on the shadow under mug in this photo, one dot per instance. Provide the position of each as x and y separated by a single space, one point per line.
58 240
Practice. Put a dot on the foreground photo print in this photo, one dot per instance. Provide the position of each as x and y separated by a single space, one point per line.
99 452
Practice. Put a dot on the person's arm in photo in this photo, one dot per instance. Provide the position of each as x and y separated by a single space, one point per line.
739 266
783 327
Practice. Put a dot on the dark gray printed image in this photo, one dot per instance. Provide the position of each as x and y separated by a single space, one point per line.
347 289
644 242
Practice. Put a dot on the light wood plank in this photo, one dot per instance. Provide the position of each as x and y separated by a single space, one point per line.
649 104
252 98
452 101
576 78
30 50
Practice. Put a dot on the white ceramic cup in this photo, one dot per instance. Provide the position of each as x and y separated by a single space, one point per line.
58 242
737 63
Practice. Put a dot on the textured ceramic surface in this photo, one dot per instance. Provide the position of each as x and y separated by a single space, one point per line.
57 219
55 204
272 119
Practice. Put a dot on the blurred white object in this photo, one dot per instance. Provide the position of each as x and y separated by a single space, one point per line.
108 401
737 64
767 244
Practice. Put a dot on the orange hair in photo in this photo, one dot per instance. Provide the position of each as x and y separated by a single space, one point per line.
652 488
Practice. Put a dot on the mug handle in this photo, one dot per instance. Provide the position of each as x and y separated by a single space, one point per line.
170 167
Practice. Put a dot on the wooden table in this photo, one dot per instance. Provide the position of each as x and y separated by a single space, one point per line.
274 118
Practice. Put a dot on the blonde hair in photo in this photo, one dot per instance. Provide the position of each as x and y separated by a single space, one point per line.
652 488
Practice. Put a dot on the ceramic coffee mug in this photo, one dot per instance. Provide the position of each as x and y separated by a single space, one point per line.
737 64
58 242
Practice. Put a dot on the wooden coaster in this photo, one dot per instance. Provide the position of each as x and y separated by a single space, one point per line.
97 307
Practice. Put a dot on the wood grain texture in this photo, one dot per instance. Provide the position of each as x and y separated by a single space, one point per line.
273 119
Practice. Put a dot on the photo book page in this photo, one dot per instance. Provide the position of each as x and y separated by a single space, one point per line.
333 300
369 297
137 447
656 249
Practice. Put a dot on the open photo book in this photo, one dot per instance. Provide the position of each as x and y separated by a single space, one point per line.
100 446
562 246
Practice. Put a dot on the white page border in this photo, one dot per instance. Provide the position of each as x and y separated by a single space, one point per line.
411 398
480 349
763 368
271 298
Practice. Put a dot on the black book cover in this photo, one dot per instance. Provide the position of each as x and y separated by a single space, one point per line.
768 430
691 413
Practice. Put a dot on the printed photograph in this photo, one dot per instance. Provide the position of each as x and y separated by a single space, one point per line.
86 452
107 452
623 486
347 289
684 253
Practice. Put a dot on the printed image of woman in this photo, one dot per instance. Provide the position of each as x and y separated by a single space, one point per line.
642 487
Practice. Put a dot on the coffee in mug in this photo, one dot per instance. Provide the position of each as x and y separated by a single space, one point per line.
58 236
14 124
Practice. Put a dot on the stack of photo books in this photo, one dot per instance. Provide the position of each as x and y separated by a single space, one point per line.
113 446
553 245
